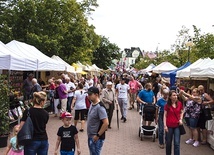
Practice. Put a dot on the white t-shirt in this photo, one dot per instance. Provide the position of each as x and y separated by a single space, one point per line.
80 99
122 90
68 87
90 83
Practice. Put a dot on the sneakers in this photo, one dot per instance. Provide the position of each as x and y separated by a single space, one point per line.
190 141
161 146
196 144
140 112
124 120
130 108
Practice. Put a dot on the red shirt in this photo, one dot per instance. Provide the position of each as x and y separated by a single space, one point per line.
134 86
52 86
171 119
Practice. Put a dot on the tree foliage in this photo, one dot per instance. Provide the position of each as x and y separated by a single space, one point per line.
53 26
105 53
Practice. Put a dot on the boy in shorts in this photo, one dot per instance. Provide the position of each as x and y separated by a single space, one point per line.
67 137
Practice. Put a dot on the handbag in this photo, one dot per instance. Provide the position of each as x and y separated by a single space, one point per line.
182 130
207 113
25 135
181 127
87 102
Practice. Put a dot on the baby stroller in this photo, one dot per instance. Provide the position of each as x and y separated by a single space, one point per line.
148 114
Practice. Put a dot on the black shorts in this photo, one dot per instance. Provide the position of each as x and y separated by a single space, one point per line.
80 113
202 121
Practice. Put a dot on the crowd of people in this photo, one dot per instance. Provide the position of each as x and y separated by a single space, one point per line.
174 106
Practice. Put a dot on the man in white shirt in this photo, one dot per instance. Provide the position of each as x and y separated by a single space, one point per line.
122 90
70 87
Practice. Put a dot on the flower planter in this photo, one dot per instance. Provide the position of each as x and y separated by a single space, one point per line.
3 141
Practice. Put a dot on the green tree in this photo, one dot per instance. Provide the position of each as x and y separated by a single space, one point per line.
53 26
105 53
204 44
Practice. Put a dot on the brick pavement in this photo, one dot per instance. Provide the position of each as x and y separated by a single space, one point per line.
124 141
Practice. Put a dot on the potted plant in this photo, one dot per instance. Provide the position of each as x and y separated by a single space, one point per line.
4 107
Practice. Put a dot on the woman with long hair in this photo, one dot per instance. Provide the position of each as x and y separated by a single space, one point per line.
39 117
173 115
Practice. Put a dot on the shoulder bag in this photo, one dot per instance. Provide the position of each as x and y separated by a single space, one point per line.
181 127
25 135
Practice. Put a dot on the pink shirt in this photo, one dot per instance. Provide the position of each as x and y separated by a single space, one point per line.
134 86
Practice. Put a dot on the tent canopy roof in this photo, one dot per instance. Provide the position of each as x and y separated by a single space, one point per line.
9 60
163 67
69 68
44 63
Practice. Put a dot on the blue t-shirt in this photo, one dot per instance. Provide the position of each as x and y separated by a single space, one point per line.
161 103
146 96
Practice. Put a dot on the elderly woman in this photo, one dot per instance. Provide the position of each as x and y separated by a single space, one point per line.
160 113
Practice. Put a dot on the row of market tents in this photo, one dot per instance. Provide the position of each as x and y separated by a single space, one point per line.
202 68
20 56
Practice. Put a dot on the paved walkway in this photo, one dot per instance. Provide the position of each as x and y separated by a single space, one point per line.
124 141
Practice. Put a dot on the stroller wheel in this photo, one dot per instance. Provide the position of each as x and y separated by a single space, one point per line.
139 131
141 136
153 138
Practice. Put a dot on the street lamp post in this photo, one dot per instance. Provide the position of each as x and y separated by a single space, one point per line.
189 44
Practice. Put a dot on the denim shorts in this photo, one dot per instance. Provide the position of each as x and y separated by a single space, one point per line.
191 122
66 152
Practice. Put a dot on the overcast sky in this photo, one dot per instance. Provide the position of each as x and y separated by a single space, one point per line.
150 23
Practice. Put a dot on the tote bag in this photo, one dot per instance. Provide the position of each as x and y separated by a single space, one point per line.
25 135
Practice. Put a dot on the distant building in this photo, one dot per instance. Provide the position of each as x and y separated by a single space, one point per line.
129 56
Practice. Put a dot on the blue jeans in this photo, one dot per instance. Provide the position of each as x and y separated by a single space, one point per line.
95 147
169 136
36 147
161 128
69 103
67 152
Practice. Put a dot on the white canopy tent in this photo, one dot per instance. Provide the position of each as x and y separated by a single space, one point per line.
185 73
44 63
11 61
203 71
163 67
69 68
147 69
96 68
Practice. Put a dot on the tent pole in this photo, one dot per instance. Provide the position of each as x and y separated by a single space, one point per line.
208 84
37 75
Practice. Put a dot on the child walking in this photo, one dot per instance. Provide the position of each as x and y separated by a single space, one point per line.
67 137
13 148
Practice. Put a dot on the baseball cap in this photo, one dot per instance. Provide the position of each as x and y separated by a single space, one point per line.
93 90
66 115
109 83
123 79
